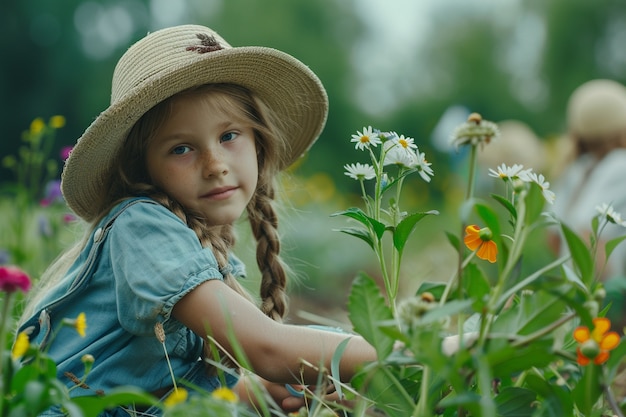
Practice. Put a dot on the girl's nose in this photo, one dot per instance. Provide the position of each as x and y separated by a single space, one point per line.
213 164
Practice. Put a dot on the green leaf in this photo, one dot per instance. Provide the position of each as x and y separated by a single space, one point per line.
611 244
360 216
531 313
556 401
580 254
389 392
505 359
435 288
368 311
476 285
515 402
447 310
122 396
454 240
506 203
404 229
334 364
360 233
535 203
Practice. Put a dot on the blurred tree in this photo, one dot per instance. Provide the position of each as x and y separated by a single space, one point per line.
59 58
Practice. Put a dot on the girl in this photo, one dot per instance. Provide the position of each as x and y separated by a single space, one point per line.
195 134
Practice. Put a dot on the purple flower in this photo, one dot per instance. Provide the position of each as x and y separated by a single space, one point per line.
52 193
43 223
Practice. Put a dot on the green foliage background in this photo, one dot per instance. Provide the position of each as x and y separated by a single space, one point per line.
473 53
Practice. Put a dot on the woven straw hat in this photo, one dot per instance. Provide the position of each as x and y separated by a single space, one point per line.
169 61
597 108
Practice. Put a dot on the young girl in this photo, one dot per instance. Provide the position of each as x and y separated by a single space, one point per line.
194 137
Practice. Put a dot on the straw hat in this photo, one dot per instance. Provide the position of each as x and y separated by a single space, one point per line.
597 108
169 61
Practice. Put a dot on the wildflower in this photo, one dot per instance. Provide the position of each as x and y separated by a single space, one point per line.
87 360
21 346
475 131
37 126
479 240
595 344
541 182
12 279
360 171
396 154
57 122
504 172
43 226
52 193
65 152
610 214
407 143
178 396
79 324
365 139
423 166
224 394
68 218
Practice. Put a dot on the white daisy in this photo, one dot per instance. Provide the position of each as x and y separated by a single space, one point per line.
506 172
407 143
423 166
611 215
545 185
396 154
366 138
360 171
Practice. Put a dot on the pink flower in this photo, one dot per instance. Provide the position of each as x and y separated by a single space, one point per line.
12 279
65 152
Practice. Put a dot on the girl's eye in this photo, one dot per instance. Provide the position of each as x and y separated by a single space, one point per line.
227 137
180 150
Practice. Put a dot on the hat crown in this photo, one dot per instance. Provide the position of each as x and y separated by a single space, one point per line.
597 108
160 52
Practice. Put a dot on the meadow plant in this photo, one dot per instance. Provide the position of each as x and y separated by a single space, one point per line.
533 344
478 344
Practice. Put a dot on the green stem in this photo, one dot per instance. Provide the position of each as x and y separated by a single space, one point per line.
422 409
448 288
471 173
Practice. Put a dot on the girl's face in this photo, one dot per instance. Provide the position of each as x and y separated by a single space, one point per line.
205 159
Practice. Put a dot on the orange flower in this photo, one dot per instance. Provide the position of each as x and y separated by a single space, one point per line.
479 240
595 344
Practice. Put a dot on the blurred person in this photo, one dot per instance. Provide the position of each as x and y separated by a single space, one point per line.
594 175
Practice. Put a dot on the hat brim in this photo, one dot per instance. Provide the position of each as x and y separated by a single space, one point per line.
284 83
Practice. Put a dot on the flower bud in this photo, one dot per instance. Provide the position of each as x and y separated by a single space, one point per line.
590 348
592 307
485 233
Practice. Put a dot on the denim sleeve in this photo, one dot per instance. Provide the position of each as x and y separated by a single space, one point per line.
155 260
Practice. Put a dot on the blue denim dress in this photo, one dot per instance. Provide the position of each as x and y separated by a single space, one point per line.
139 262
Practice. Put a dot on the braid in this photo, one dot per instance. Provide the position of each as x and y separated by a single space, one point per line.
264 223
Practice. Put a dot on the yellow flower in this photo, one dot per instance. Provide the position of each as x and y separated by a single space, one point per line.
36 126
57 121
79 324
597 343
479 240
224 394
179 395
21 346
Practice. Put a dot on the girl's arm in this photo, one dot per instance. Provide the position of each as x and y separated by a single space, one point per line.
274 350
